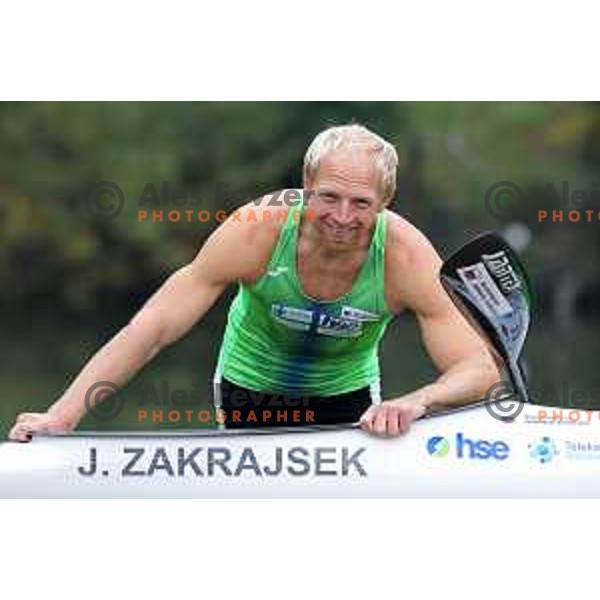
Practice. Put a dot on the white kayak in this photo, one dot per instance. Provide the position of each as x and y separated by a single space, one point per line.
466 454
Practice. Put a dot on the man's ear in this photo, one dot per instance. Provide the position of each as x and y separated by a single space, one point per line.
385 204
308 190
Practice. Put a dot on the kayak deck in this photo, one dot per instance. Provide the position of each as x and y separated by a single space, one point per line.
464 454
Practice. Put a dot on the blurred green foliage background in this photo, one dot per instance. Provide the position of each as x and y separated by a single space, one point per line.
69 278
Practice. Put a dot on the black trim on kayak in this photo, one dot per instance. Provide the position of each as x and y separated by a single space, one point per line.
454 409
205 432
218 433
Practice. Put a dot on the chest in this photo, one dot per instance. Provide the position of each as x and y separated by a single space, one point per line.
325 281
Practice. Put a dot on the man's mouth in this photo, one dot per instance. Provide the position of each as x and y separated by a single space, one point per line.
340 233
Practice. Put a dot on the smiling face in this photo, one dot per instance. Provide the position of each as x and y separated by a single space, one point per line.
345 198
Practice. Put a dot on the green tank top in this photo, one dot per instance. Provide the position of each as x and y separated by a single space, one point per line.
280 340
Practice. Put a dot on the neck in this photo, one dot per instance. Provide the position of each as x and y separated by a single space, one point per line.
320 247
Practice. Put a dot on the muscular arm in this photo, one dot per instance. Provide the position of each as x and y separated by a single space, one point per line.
466 365
237 250
169 314
467 368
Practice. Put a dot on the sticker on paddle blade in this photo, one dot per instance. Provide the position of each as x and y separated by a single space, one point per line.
488 283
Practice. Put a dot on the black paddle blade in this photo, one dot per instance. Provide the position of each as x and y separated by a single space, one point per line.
488 283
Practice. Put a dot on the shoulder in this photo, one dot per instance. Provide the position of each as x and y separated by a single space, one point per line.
261 220
245 242
407 246
411 263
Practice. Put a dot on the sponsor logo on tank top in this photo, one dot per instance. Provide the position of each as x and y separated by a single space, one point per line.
347 323
277 271
358 314
294 318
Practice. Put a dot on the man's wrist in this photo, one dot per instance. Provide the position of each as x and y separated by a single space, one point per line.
67 416
423 400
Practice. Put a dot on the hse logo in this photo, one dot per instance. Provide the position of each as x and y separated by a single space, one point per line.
468 449
438 446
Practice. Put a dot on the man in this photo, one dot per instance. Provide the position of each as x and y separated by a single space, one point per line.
315 295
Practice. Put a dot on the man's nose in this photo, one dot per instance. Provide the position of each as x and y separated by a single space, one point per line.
343 212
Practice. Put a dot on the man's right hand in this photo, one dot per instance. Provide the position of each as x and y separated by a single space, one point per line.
28 424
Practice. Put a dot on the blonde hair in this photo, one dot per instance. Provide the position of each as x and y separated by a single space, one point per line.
344 136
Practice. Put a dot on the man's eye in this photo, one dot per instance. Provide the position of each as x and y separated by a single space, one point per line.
363 203
327 197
